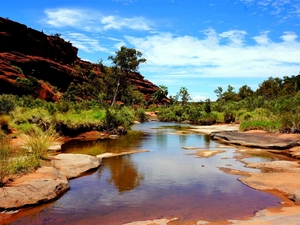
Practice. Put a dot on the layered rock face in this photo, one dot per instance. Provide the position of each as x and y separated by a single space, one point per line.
32 62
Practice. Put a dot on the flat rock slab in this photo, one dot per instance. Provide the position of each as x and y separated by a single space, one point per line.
258 139
287 183
214 128
75 165
110 154
43 185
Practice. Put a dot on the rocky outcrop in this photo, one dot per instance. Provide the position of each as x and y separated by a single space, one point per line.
32 62
75 165
257 139
41 186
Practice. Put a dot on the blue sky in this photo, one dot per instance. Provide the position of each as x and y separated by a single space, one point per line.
197 44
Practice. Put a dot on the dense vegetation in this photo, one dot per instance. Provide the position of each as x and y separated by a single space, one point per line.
274 106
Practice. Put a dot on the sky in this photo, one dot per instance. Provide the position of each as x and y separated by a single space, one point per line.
197 44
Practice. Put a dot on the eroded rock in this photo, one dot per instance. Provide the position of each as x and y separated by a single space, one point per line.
75 165
43 185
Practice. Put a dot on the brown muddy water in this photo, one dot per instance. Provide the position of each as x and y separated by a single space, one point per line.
168 181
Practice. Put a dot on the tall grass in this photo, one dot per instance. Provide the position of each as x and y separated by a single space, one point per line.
270 126
37 142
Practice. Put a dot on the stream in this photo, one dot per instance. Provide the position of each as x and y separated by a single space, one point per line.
170 180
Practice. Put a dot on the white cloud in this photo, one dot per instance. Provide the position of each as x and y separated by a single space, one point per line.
85 43
176 58
289 37
284 9
262 39
117 23
90 20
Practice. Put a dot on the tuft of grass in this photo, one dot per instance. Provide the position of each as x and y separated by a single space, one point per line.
37 142
266 125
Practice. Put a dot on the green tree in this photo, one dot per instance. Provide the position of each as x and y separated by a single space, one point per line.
219 93
270 88
161 93
126 61
230 95
207 107
184 94
244 92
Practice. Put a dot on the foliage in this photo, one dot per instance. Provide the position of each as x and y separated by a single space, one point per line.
141 115
29 84
114 118
126 61
161 93
7 103
184 94
18 69
207 107
38 142
14 162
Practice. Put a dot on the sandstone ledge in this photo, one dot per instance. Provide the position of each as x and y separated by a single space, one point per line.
43 185
258 139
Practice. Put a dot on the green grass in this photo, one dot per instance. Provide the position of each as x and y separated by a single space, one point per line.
37 142
84 116
260 125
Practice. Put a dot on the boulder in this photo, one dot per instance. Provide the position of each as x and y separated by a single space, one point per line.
75 165
43 185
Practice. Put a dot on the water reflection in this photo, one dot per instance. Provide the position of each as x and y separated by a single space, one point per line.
124 143
124 173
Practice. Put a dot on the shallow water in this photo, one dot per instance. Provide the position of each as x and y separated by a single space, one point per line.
167 181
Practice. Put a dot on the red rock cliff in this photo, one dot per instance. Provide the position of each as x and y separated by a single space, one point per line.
31 61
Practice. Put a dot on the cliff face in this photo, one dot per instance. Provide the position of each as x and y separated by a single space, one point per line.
32 62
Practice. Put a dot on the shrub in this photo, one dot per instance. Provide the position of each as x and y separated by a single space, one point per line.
141 115
17 68
207 119
290 123
7 103
229 116
4 123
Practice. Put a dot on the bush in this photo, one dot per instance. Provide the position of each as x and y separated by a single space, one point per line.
290 123
4 123
208 119
115 118
141 115
7 103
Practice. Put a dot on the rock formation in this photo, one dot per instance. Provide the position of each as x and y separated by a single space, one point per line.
32 62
